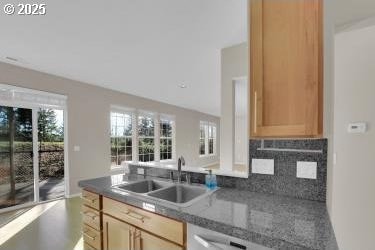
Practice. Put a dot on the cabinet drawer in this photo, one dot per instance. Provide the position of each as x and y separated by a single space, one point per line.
88 247
91 199
167 228
91 217
91 237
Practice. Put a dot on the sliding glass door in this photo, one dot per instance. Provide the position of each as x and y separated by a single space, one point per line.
31 155
51 153
16 156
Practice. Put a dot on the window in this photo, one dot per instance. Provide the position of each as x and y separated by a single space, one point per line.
211 139
146 138
141 136
166 139
202 143
207 140
121 137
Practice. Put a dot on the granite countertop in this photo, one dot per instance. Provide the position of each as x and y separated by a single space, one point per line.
270 220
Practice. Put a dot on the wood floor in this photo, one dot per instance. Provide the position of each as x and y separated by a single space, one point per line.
57 227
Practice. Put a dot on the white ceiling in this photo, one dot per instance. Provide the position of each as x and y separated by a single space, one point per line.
143 47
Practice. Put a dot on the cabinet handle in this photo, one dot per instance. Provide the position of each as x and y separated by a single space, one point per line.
133 215
130 240
85 233
255 112
135 237
86 198
89 214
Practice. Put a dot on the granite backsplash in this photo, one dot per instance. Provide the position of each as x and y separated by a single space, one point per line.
286 153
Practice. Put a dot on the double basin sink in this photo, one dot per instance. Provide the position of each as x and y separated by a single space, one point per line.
175 193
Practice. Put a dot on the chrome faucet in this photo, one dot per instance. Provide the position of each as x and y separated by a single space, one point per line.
181 161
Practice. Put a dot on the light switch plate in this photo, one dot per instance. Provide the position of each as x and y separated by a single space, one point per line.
77 148
263 166
307 169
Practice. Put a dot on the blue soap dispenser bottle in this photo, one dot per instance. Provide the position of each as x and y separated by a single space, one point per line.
208 178
211 182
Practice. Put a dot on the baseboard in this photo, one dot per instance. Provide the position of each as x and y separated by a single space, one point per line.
73 195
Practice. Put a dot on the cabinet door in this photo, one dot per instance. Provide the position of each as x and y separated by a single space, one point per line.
117 235
286 68
146 241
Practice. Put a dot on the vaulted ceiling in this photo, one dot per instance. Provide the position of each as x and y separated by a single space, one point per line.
142 47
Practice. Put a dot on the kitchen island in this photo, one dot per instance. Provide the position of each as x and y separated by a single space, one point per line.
273 221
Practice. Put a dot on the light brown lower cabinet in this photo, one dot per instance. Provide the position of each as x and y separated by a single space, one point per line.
92 237
118 235
88 247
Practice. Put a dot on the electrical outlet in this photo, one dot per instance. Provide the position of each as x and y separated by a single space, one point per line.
307 169
262 166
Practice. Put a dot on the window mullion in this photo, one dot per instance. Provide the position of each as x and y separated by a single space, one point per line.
206 147
135 136
174 140
215 139
157 138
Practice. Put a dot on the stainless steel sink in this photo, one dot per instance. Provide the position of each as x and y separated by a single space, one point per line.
179 193
182 195
144 186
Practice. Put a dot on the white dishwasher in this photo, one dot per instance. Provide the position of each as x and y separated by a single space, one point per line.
200 238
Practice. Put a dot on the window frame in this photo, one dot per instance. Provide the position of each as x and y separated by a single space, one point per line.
213 128
172 121
128 112
208 126
135 115
151 116
203 126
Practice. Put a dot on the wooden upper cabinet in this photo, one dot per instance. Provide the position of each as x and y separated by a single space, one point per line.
286 69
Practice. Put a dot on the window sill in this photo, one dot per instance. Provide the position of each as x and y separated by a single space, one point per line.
206 156
117 169
120 167
167 161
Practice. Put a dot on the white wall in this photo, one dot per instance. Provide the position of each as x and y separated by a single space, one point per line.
329 33
234 64
241 120
89 121
353 183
